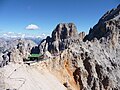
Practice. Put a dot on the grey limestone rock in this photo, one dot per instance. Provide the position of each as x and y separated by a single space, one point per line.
60 35
93 64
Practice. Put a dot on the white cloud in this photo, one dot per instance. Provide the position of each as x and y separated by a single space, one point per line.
6 35
43 36
32 27
22 35
13 35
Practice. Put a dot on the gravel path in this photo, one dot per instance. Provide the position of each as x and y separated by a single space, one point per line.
24 77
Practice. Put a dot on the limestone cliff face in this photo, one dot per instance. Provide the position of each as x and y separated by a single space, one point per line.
15 50
90 65
21 50
59 40
64 31
108 26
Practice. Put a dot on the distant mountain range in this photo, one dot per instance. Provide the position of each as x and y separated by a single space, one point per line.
12 35
37 40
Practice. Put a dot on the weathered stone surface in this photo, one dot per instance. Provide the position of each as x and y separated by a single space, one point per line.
21 50
90 65
81 35
64 31
60 36
15 50
108 26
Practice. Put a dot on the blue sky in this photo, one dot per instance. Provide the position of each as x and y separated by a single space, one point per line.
16 15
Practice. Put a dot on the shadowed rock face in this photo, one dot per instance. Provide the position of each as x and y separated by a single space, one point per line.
107 25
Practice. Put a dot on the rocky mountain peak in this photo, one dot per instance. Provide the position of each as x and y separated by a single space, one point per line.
64 31
107 27
60 38
110 14
90 65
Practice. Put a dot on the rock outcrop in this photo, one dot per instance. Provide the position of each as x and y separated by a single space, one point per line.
21 50
64 31
108 25
15 50
90 65
59 40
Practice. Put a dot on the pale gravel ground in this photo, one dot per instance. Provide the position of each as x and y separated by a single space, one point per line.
23 77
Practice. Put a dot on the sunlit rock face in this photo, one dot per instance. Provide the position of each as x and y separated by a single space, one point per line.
15 50
90 63
21 50
64 31
60 38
